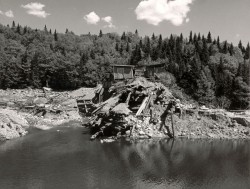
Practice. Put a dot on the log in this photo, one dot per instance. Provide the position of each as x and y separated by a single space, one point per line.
128 98
172 123
142 107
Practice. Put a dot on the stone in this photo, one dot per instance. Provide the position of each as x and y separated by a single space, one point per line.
141 133
128 132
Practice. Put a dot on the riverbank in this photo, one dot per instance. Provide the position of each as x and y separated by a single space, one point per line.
117 117
43 109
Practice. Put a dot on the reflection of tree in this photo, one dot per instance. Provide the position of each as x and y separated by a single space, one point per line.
193 161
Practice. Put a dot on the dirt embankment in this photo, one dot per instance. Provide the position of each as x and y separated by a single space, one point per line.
42 109
136 110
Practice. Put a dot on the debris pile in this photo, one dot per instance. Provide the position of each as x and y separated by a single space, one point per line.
143 109
131 110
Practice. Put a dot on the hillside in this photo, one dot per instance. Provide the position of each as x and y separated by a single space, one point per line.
210 71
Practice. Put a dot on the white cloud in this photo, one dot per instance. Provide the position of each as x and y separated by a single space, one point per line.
92 18
9 14
187 20
155 11
108 20
36 9
1 12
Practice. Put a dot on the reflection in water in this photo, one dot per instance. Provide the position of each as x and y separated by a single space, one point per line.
67 159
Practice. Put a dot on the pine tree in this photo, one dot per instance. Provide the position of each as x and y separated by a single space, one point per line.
100 33
67 31
181 37
123 37
116 47
218 43
18 30
140 43
240 45
128 47
25 30
136 32
45 29
195 38
191 37
205 53
153 37
247 53
199 37
50 31
55 36
225 49
209 37
231 49
13 24
121 49
147 47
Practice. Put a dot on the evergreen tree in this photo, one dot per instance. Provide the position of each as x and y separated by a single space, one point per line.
191 37
225 49
128 47
121 49
195 38
218 43
199 37
209 37
123 37
247 52
55 36
45 29
153 37
205 53
67 31
18 30
147 50
240 45
24 30
117 47
13 24
231 50
136 32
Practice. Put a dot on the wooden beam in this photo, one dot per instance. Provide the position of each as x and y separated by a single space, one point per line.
142 107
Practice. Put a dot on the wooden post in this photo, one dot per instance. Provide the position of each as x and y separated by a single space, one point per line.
172 123
128 98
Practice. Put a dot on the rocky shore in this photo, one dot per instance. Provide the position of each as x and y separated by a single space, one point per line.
43 109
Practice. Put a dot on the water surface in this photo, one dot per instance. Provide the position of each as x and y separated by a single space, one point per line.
64 158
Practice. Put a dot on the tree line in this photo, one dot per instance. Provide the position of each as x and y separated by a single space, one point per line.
209 70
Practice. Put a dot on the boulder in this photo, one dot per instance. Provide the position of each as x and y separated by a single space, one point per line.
40 101
243 121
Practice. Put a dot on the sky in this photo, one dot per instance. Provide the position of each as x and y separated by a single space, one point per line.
230 19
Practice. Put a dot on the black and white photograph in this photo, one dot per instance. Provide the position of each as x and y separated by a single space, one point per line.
124 94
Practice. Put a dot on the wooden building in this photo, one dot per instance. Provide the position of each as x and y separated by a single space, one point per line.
121 72
154 69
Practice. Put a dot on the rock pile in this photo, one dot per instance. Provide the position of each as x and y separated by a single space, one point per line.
12 125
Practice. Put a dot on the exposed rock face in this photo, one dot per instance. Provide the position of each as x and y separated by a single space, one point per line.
11 124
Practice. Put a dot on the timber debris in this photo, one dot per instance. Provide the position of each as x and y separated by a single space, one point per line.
142 109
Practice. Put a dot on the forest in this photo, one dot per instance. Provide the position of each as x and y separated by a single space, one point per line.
211 71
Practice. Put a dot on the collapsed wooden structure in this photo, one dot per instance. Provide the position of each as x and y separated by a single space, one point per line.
135 104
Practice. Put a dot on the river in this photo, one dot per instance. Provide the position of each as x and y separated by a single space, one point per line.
64 158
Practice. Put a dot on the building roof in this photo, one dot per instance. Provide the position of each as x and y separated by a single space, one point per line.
122 65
